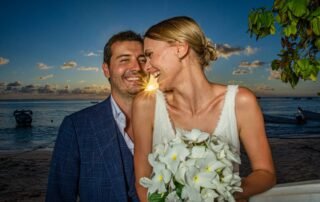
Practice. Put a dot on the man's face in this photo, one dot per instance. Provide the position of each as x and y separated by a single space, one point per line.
125 71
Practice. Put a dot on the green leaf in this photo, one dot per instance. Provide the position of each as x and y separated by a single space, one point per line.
313 77
272 30
317 43
315 25
179 188
278 19
278 4
315 13
156 197
298 7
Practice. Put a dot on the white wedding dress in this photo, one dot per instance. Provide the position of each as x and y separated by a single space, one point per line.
226 127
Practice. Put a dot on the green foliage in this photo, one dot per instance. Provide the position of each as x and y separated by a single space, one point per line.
299 23
156 197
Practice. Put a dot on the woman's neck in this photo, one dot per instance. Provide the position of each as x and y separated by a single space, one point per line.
191 90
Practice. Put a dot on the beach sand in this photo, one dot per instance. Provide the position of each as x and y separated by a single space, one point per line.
23 176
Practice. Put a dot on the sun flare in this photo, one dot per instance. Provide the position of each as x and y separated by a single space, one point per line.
152 84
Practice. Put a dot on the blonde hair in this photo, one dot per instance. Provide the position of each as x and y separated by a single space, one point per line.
184 29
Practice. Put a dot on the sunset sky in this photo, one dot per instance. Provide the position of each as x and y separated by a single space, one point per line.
53 48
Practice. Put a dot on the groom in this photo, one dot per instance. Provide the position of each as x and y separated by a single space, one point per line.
93 154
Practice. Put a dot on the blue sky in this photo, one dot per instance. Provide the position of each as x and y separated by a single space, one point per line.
55 48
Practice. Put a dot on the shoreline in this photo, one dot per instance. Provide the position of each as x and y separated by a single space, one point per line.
24 174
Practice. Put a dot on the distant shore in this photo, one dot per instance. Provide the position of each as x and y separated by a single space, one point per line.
49 97
23 175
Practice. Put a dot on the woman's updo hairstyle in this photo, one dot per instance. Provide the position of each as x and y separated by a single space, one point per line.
184 29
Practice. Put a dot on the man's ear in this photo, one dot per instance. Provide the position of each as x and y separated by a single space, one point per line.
105 69
182 49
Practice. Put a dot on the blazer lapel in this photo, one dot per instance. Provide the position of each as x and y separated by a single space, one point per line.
127 160
105 130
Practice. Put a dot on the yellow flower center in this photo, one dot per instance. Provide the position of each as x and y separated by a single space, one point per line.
160 178
174 157
208 169
196 178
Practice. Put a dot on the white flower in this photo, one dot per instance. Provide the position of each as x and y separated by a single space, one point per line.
173 197
211 165
208 195
174 155
159 180
199 164
197 179
190 194
195 136
198 152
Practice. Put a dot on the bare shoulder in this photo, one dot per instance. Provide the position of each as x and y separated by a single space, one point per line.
245 98
144 100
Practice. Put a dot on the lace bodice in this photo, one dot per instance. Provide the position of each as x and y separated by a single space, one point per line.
226 126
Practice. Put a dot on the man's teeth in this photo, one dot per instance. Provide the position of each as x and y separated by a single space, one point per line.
133 78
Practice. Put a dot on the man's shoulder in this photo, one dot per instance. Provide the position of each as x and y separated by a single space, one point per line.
94 110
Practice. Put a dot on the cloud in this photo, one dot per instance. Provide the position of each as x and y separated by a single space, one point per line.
43 66
90 54
263 87
4 61
93 89
69 65
225 50
46 77
64 91
253 64
88 69
239 71
250 51
13 86
47 89
2 84
274 74
29 89
82 81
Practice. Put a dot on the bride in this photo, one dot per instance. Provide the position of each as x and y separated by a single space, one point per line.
177 53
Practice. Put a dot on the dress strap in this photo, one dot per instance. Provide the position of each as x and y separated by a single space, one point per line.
228 123
162 128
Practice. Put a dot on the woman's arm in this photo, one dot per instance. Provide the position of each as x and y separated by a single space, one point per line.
253 137
142 123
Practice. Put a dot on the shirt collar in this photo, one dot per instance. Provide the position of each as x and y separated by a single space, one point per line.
116 111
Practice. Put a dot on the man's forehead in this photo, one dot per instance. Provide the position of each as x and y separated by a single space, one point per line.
127 45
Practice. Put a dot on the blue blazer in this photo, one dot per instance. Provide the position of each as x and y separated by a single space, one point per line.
91 160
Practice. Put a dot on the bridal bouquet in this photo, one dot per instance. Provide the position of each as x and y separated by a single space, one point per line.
193 166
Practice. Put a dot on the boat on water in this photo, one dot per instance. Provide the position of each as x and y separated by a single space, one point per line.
309 115
283 120
23 118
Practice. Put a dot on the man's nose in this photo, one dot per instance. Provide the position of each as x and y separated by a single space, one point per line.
136 65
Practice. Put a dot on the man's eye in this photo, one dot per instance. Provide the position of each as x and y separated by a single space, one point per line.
142 61
124 60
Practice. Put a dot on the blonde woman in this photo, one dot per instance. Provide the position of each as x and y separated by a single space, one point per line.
177 52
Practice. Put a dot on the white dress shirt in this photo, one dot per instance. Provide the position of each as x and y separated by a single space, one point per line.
120 119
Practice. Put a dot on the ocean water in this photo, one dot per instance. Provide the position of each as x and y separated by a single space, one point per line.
48 115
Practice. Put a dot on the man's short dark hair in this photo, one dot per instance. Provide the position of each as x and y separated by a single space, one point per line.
121 36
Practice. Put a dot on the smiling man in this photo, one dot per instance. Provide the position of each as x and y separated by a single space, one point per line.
93 154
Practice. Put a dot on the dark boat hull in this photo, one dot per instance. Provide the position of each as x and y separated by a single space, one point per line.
282 120
309 115
23 118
